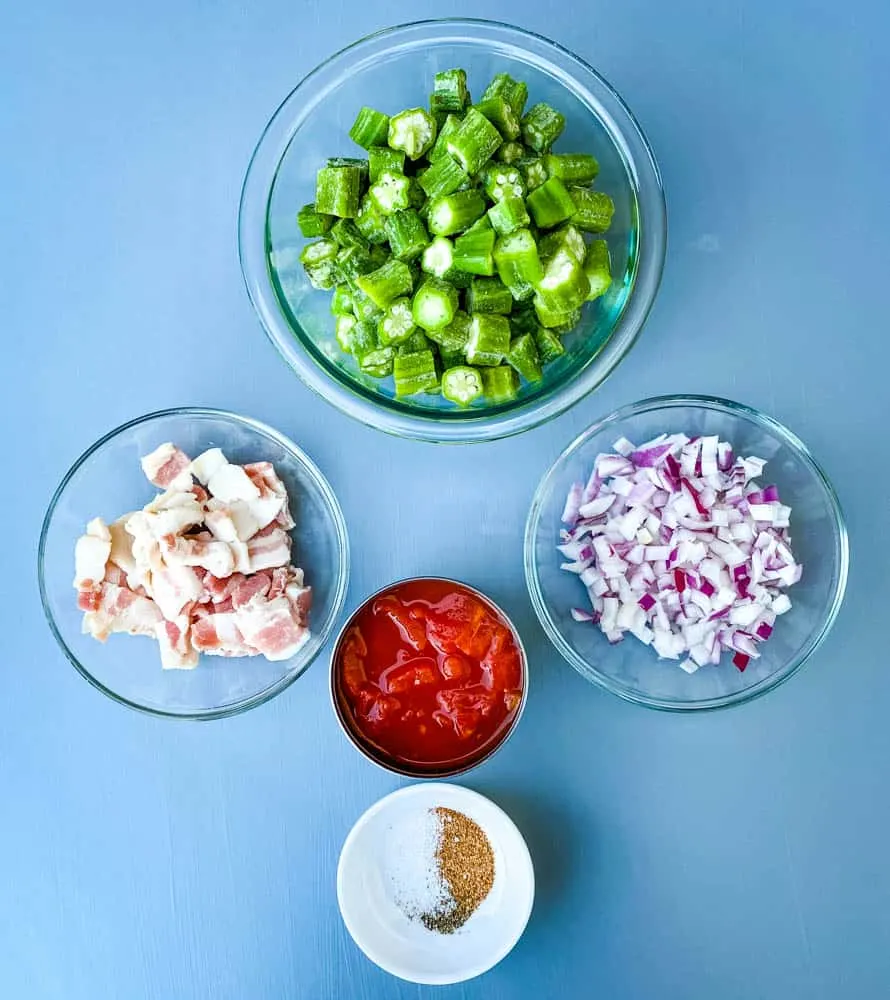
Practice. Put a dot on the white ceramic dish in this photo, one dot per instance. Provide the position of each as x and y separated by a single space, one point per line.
404 947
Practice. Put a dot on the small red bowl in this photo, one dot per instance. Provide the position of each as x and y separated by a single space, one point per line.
378 754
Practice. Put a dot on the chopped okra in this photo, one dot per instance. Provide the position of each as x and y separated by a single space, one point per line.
458 249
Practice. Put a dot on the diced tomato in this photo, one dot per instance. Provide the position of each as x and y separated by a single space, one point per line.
455 668
353 671
472 698
476 643
355 640
501 672
406 676
383 708
465 722
411 630
512 700
453 620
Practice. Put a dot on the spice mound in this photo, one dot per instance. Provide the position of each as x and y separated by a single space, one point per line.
442 870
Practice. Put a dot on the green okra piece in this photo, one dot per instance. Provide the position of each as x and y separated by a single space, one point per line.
413 131
551 204
451 359
383 160
415 372
555 320
500 113
407 234
444 177
563 286
396 325
438 260
518 264
455 212
462 384
489 339
568 324
351 262
593 209
474 251
343 327
435 304
500 384
370 128
523 356
541 126
455 336
338 190
474 141
362 307
489 295
572 168
449 94
391 193
347 234
567 237
510 152
598 268
342 300
523 318
500 180
418 341
508 215
363 339
549 345
533 171
515 92
378 363
369 221
319 260
446 131
313 223
388 282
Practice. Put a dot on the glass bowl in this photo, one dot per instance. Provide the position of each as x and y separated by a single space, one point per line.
107 481
394 69
377 754
632 670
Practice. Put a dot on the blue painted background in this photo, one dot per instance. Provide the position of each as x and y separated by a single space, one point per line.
735 855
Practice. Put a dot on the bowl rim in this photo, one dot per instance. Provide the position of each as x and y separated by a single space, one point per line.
392 766
734 409
639 161
338 521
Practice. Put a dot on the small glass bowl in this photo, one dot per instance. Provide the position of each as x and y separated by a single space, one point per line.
375 753
632 670
394 69
107 481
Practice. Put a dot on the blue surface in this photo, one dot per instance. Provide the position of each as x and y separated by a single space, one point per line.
734 855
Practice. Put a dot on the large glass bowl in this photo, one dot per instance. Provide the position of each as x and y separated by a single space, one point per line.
393 69
107 481
819 541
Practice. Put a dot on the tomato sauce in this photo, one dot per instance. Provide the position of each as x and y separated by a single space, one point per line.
429 673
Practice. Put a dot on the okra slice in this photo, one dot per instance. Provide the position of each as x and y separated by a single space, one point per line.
474 141
391 192
548 344
383 160
440 147
518 264
523 356
572 168
473 252
342 300
438 260
396 324
455 336
407 234
362 307
567 237
418 341
370 128
515 92
312 223
451 359
435 304
369 221
449 93
347 234
338 190
541 126
489 339
319 261
533 171
379 362
462 384
569 322
500 180
523 319
501 115
350 161
415 372
563 286
508 215
598 268
363 339
593 209
553 319
444 177
413 131
489 295
388 282
501 384
343 327
455 212
510 152
351 262
551 203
